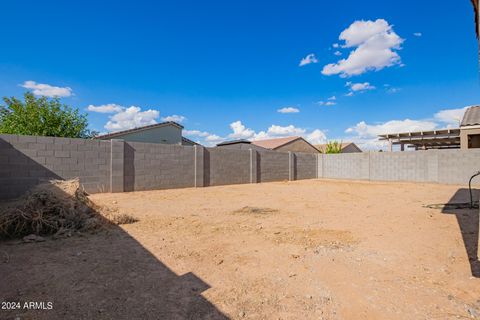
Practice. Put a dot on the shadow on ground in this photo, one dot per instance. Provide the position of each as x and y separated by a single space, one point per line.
108 275
468 220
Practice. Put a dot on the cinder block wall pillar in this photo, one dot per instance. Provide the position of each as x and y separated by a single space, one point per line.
199 163
253 166
291 166
117 156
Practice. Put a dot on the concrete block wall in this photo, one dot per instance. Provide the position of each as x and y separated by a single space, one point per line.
27 160
305 166
457 166
406 166
436 166
159 166
119 166
272 166
227 166
346 166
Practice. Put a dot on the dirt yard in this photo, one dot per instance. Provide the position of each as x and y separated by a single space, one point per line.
314 249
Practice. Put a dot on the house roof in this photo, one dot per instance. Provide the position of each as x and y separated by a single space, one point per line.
322 147
189 141
276 143
152 126
471 117
225 143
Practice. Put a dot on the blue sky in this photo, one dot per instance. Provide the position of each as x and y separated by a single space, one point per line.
226 68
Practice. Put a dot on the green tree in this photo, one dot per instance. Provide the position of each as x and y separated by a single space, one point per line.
333 147
42 117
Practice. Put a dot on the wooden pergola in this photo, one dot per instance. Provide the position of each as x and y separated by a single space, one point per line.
424 140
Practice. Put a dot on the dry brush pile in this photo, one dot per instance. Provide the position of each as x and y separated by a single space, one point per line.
55 208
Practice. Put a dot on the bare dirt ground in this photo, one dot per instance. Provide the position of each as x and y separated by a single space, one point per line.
314 249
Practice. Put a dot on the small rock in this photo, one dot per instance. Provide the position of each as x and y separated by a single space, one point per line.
241 314
33 238
473 313
220 262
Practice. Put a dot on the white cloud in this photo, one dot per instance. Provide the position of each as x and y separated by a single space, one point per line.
393 90
361 86
275 131
316 137
450 117
337 53
105 108
240 131
376 45
417 34
196 133
335 45
364 130
213 139
131 117
42 89
349 94
310 58
209 139
288 110
326 103
174 118
332 98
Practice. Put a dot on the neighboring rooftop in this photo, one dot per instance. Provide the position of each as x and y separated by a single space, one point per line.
226 143
186 141
134 130
346 146
275 143
471 117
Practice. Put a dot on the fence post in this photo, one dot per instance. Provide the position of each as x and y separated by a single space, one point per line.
253 166
318 165
324 159
199 160
291 166
117 165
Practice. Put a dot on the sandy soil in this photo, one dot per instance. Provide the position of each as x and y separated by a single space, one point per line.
315 249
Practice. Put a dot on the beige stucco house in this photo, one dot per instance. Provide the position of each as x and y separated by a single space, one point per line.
166 132
347 147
